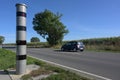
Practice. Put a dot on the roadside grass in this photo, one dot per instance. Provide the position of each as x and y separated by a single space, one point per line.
101 48
48 68
96 48
65 76
8 60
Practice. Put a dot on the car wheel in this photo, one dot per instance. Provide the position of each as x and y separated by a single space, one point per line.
81 50
62 49
75 50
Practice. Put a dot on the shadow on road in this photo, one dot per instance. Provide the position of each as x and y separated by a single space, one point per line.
5 72
5 75
63 51
58 50
2 72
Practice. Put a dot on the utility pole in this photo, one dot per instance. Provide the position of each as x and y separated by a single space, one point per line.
21 38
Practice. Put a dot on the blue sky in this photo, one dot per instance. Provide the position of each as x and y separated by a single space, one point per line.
83 18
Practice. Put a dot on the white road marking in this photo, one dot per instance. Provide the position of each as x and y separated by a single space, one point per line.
84 72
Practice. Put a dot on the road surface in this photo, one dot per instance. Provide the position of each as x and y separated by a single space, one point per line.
104 64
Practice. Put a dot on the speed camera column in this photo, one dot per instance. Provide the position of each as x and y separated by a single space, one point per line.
21 38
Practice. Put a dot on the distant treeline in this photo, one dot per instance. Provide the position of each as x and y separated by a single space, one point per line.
37 45
107 44
29 45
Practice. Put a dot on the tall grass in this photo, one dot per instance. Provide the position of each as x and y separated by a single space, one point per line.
107 44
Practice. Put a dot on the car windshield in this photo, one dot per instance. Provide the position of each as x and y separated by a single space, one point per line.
68 43
73 43
80 43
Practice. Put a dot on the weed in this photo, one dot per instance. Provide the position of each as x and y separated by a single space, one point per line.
26 77
40 71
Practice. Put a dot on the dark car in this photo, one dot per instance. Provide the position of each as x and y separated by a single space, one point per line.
73 46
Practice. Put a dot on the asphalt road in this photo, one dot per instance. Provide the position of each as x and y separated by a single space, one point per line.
103 64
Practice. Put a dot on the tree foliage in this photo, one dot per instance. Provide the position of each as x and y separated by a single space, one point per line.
48 25
35 39
1 39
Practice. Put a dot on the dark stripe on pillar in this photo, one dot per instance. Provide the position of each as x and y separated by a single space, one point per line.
21 28
21 14
21 42
21 57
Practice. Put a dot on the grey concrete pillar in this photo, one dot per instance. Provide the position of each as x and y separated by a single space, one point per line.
21 38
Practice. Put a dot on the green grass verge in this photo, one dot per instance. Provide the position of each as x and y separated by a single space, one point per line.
8 60
65 76
100 48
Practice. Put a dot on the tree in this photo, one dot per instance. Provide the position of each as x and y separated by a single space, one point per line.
49 26
1 39
35 39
